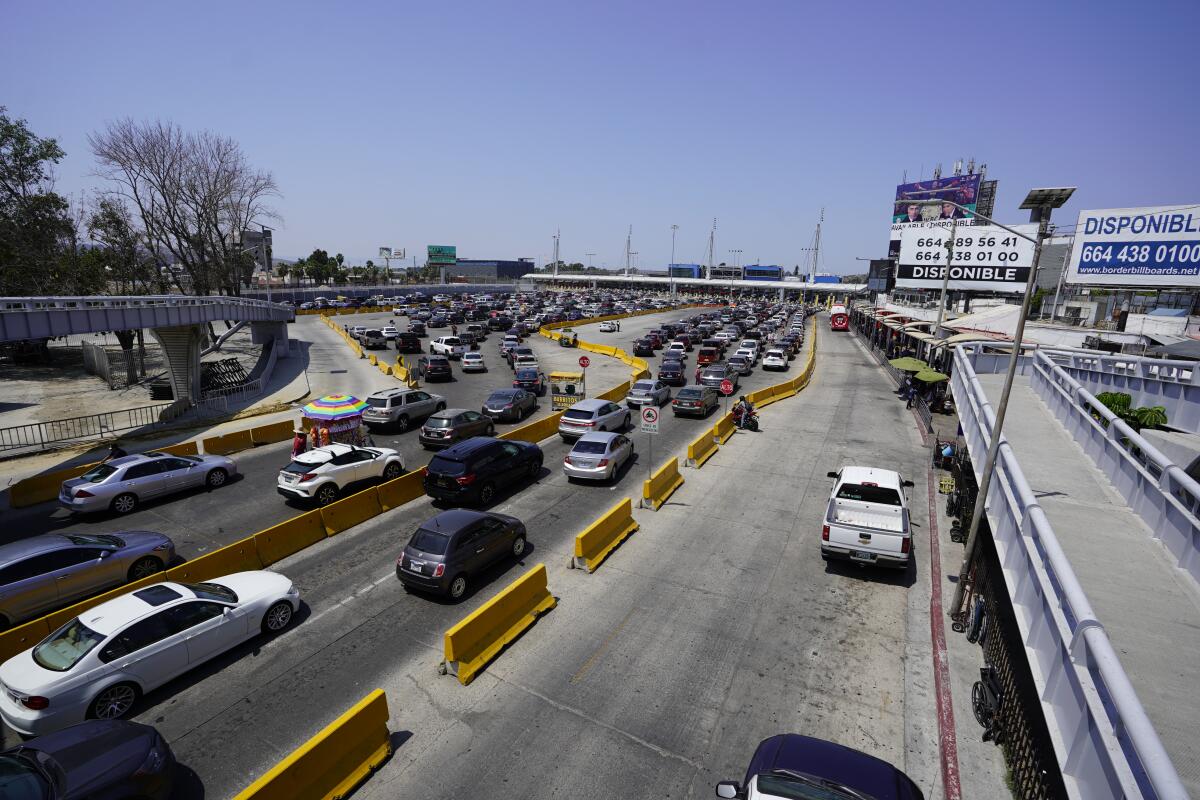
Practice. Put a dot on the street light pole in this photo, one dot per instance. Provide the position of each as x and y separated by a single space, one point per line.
1040 203
672 262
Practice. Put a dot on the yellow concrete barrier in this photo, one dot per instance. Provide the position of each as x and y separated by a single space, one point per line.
228 443
702 449
535 431
350 511
371 358
333 762
661 485
397 492
596 541
240 556
280 541
21 638
181 449
274 432
385 368
477 639
724 428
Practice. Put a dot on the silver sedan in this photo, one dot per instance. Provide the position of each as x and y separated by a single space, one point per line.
121 485
648 393
598 456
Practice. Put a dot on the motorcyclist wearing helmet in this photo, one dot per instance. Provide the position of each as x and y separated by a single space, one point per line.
743 411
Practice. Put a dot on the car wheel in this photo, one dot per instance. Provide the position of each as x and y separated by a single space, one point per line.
114 702
216 478
491 430
124 503
392 471
535 468
458 587
518 547
326 494
625 424
487 493
144 567
278 617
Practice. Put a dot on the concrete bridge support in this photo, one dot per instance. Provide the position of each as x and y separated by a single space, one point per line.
181 347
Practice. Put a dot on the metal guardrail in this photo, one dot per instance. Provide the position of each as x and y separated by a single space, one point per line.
1105 744
18 304
41 435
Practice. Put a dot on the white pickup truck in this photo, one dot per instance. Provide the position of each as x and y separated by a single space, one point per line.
449 346
866 520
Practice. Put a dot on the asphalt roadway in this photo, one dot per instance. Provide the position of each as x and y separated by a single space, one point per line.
715 625
202 520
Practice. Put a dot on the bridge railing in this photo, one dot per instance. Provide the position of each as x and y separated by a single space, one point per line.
1105 744
10 304
44 435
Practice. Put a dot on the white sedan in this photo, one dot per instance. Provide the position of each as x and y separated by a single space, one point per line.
608 327
473 362
100 663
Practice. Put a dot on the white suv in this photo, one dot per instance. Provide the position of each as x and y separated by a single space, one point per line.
323 473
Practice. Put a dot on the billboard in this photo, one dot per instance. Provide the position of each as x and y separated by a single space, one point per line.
987 258
962 189
1150 246
442 254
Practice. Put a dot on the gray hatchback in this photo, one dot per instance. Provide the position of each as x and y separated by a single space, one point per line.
452 548
42 573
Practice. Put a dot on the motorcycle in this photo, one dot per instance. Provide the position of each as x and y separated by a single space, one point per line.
751 423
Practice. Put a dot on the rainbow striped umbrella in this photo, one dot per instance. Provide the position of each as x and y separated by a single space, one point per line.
335 406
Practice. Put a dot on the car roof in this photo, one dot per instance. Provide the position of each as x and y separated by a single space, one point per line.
120 611
881 477
453 520
447 413
466 447
599 436
34 545
590 405
820 758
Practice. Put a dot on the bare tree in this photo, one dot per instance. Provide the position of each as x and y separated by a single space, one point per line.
194 194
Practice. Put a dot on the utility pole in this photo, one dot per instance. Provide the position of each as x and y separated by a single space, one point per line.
946 277
589 255
672 261
711 235
628 250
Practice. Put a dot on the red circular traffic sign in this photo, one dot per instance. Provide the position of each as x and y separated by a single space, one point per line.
726 387
585 362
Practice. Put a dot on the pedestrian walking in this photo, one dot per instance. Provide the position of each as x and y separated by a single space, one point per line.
299 442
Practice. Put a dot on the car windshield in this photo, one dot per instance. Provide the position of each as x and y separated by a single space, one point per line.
439 422
98 473
433 542
439 362
589 448
84 540
690 394
798 787
527 375
301 467
577 413
869 494
21 778
501 397
213 591
63 648
377 402
440 465
643 386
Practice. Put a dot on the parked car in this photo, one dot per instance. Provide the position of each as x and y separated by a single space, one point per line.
531 379
775 359
471 472
708 355
473 362
675 351
407 342
740 364
400 407
124 483
671 373
598 456
389 332
590 416
430 367
695 401
452 425
516 352
713 376
791 765
323 473
450 549
648 392
449 346
643 347
98 664
524 361
684 340
99 758
866 520
355 331
418 328
608 327
42 573
509 405
747 353
372 339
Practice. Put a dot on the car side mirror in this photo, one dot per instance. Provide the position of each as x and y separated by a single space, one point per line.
832 474
730 789
909 484
105 554
226 610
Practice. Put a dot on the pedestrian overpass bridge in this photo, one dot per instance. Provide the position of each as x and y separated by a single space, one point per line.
178 322
1099 541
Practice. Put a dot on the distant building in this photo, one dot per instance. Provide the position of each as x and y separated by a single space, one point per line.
825 277
489 270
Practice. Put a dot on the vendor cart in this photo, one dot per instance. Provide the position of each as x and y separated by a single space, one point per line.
566 389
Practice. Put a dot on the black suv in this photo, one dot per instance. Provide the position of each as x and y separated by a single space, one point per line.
471 472
454 546
643 347
409 343
430 367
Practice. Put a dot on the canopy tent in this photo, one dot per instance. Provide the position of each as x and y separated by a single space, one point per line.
921 323
908 364
963 338
1188 348
921 336
335 406
931 376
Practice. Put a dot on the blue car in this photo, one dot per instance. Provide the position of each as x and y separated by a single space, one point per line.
795 766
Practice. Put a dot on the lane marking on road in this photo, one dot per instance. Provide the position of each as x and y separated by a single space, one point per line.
587 665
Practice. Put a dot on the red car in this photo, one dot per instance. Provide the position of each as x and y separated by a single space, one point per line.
708 355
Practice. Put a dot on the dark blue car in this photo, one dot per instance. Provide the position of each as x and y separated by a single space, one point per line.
801 767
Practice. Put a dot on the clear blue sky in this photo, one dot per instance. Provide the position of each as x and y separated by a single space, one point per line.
489 125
